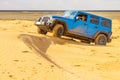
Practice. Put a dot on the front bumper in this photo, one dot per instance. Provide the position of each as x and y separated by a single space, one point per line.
43 26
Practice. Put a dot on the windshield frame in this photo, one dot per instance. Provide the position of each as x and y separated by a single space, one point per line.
70 14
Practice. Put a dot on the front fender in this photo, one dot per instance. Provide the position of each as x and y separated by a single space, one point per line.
56 21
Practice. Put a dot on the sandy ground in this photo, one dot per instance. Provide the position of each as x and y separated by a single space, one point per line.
26 55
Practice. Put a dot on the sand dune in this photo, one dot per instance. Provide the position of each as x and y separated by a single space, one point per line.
26 55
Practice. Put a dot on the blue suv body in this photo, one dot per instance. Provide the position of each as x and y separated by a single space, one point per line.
77 24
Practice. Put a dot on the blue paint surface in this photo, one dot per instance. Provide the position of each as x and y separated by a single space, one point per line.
86 28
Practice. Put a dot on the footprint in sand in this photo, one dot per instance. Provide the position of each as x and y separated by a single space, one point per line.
93 50
10 75
40 63
4 29
25 51
107 53
77 65
16 60
25 25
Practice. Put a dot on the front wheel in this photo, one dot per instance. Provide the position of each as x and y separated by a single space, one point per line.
40 31
58 30
101 39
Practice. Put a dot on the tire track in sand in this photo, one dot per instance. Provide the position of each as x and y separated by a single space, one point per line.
40 46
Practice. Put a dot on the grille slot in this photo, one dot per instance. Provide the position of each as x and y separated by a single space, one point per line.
39 19
45 19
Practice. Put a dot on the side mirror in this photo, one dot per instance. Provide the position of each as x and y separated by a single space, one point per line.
77 18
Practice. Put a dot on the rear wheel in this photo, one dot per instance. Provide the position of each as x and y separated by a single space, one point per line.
40 31
58 30
101 39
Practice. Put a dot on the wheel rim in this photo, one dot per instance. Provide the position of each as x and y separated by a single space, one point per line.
102 40
43 32
59 33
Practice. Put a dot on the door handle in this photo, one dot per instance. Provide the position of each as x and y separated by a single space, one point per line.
85 24
96 26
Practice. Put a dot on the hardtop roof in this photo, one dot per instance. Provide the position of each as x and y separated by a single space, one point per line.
93 14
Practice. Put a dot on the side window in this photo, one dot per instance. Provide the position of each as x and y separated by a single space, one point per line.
94 20
82 17
105 23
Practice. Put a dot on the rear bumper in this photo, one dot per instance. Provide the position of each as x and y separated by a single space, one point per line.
109 37
109 40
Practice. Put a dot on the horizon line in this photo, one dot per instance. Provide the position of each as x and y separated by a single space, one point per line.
57 10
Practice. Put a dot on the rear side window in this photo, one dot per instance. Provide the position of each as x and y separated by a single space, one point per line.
105 23
94 20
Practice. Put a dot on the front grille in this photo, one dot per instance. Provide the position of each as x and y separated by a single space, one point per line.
45 19
39 19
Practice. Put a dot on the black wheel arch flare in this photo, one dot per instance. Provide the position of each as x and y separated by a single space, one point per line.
60 22
100 32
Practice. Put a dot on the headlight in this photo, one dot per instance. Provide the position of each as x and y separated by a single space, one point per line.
50 21
39 19
43 23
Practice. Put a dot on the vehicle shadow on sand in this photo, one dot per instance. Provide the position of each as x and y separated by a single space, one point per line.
40 44
43 42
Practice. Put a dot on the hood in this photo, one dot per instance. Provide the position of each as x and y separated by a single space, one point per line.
61 18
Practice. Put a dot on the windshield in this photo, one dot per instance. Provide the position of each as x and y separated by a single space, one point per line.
69 14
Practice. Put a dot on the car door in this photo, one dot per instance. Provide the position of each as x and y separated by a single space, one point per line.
80 25
93 25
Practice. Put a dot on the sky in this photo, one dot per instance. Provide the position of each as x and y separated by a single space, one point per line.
59 4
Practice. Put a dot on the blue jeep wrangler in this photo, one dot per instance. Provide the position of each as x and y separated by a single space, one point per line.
77 24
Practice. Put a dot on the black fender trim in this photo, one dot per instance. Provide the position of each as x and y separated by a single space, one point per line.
60 22
100 32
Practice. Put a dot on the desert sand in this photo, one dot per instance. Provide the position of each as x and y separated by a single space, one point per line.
26 55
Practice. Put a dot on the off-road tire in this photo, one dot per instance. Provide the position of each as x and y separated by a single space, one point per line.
40 31
101 39
58 30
